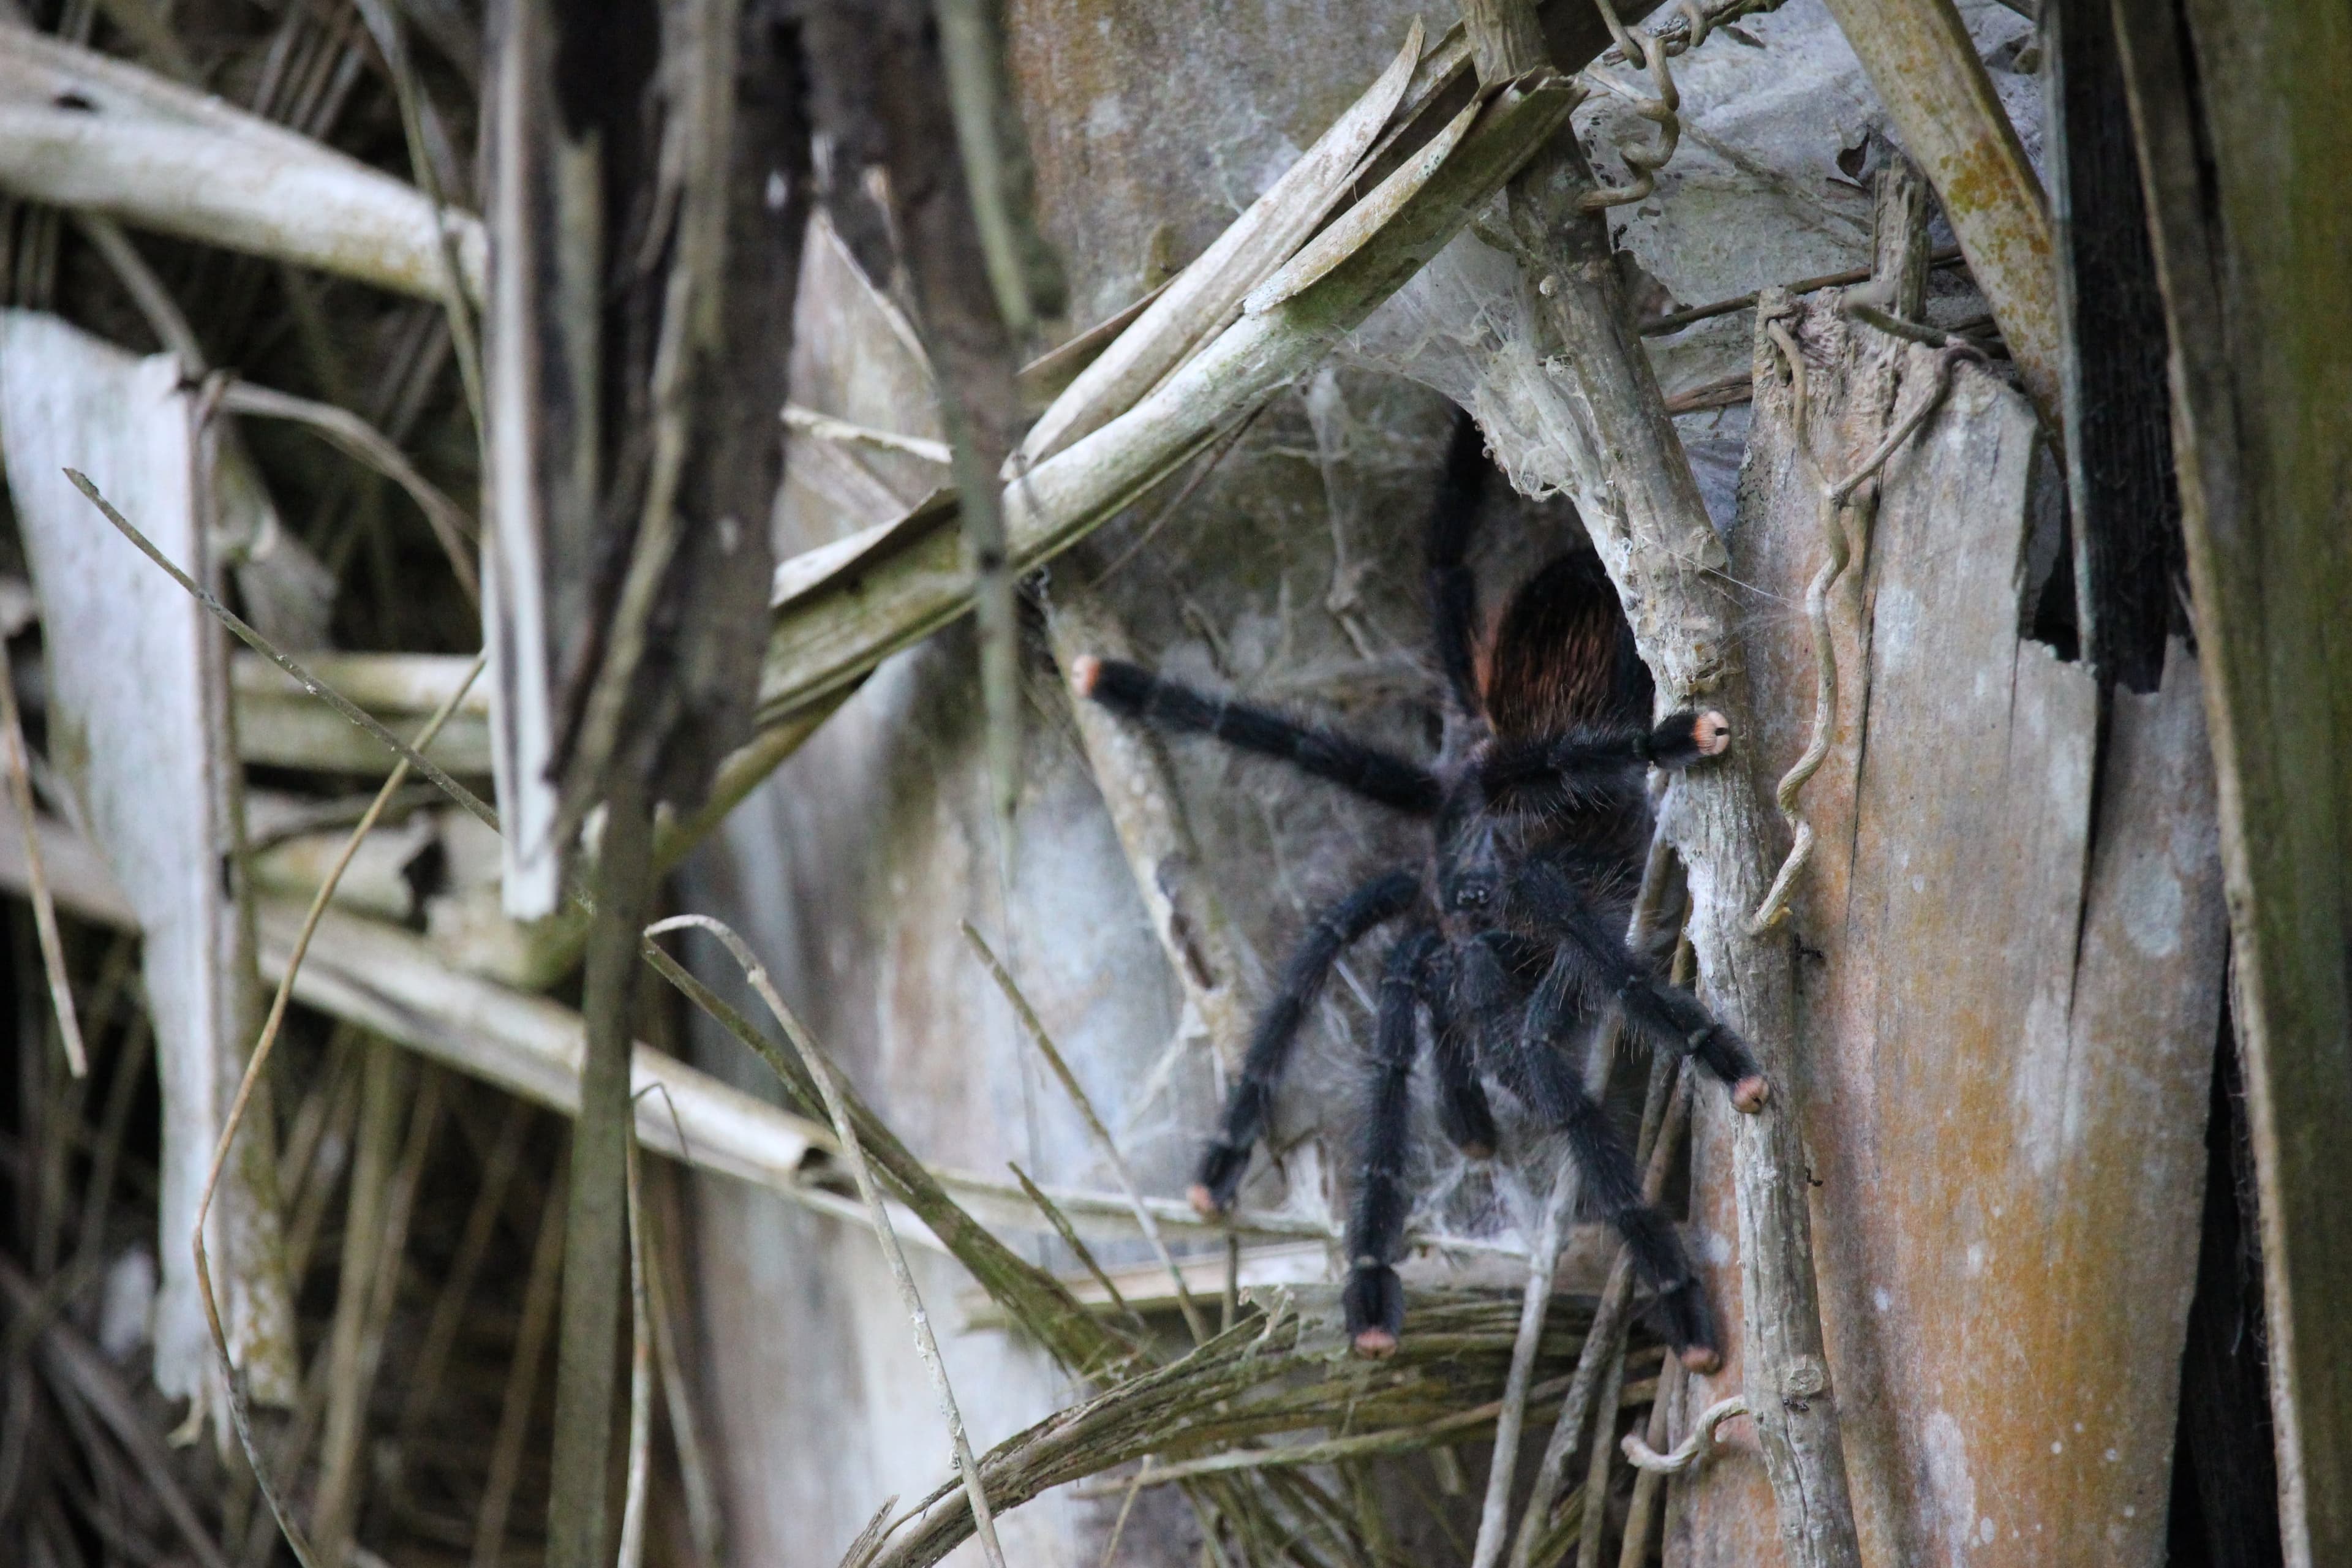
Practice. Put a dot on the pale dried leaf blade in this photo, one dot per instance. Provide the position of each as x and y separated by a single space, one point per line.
1204 295
137 727
1365 219
161 156
1048 375
387 980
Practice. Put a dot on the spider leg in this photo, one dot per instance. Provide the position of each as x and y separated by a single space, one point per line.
1462 1109
1581 764
1538 1072
1666 1017
1226 1159
1374 1298
1453 590
1367 770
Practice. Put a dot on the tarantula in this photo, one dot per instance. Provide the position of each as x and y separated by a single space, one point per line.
1512 940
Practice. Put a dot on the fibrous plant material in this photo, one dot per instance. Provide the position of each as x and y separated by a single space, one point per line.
1208 1414
1835 495
17 763
378 977
1543 1257
958 241
1035 1299
646 185
359 1318
453 530
1547 1518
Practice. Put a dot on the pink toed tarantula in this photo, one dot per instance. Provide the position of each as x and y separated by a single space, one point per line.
1513 928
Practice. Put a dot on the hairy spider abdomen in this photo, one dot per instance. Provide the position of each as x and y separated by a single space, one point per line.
1560 655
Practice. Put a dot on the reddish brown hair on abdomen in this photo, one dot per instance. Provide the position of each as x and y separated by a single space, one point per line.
1560 655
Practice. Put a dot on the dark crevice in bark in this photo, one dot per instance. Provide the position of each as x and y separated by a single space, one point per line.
2130 562
2224 1510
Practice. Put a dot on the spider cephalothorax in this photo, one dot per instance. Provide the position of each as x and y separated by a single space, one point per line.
1513 938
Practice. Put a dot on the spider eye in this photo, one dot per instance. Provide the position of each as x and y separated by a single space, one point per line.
1472 894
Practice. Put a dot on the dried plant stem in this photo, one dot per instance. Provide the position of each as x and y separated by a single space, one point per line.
1919 57
1641 1514
1604 1341
1692 1448
455 297
595 1228
522 1380
316 1177
475 805
1362 1445
974 441
1775 907
1040 1303
1077 1244
821 1068
45 909
1832 499
1663 326
161 156
686 1433
829 636
164 317
384 1098
318 902
1543 1261
1200 300
1600 1450
632 1550
76 1363
971 58
1204 951
267 1042
1104 1143
453 530
1125 1506
130 1073
457 1286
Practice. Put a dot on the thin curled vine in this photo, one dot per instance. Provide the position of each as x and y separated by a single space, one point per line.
1687 1454
1842 547
1685 31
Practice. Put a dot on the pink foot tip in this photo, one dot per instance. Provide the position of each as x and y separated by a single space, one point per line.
1375 1343
1711 734
1750 1093
1700 1359
1084 671
1203 1202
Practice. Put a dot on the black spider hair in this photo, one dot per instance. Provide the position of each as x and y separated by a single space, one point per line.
1539 818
